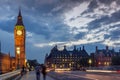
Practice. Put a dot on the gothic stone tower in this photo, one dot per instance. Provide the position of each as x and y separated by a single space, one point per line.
19 40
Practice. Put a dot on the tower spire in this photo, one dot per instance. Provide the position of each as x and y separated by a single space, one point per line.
19 18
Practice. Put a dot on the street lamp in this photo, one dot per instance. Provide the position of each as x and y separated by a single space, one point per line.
90 62
25 62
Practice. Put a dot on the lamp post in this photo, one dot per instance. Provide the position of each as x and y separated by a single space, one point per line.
90 62
70 65
26 62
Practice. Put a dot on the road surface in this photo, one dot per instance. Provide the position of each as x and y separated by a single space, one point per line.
32 76
78 75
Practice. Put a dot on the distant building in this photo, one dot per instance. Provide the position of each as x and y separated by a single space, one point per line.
4 62
103 57
7 63
64 58
12 63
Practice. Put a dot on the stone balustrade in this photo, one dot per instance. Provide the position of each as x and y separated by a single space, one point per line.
8 75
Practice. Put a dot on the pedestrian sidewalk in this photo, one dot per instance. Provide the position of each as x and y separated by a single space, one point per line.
32 76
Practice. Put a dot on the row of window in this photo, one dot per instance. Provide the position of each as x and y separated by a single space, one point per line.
104 59
66 57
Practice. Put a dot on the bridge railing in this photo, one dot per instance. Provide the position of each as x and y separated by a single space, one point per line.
9 75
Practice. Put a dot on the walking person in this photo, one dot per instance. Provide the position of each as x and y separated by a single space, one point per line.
44 72
37 71
23 70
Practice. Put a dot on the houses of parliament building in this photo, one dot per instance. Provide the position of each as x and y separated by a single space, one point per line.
65 58
78 58
7 62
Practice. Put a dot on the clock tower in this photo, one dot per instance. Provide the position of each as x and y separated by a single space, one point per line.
19 40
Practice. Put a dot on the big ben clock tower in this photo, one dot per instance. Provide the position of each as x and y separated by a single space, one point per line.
19 39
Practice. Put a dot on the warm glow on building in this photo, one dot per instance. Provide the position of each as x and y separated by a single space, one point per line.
19 38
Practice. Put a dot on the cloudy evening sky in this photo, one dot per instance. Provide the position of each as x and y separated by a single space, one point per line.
62 22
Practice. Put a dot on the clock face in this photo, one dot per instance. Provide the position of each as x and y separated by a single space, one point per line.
19 32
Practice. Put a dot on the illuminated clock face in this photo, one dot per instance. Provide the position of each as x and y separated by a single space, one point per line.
19 32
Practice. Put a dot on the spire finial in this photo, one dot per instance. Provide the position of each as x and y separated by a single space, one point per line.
19 11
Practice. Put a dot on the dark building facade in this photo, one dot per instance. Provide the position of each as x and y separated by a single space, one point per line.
65 59
103 57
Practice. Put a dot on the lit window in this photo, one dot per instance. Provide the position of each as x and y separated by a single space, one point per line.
104 63
18 52
99 63
108 63
18 48
65 59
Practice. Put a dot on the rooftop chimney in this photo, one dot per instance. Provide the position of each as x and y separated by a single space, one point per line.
83 48
64 47
106 48
80 48
55 46
74 47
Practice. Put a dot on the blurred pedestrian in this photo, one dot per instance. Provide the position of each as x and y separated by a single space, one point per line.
37 71
23 70
44 72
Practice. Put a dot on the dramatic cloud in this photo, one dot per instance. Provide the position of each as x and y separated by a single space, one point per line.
61 22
